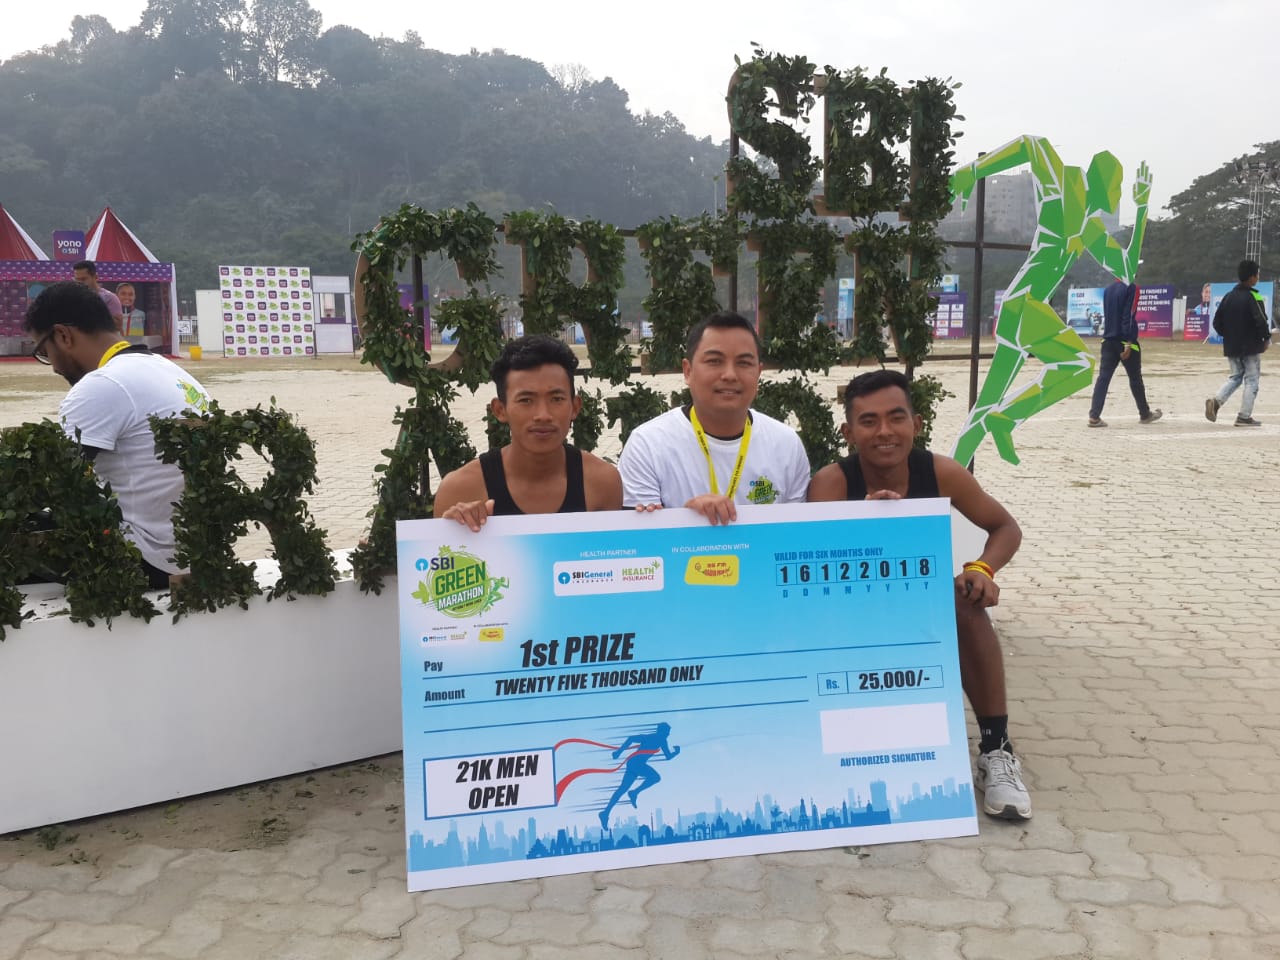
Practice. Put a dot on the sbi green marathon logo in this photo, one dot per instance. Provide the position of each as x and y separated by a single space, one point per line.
458 584
762 491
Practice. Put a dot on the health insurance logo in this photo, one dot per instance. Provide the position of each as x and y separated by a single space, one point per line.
458 584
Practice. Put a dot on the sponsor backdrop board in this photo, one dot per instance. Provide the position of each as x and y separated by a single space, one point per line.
595 691
1199 316
949 319
1199 322
267 311
1154 311
1084 310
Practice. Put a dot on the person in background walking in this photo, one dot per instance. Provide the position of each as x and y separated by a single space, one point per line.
1120 346
1241 320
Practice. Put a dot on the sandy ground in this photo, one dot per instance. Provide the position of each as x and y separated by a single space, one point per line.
347 408
249 817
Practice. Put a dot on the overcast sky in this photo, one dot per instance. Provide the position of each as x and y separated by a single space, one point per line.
1183 85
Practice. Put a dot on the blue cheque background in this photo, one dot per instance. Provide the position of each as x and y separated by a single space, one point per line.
751 755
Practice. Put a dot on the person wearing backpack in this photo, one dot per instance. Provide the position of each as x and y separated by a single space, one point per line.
1241 321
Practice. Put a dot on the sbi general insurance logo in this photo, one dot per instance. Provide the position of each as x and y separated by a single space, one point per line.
458 583
624 575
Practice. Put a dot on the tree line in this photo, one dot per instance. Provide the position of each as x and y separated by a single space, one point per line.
243 130
1204 238
225 131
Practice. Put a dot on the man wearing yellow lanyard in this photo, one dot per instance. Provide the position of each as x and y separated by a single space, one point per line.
115 387
717 452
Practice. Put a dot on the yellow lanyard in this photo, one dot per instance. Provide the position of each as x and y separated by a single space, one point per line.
706 452
112 351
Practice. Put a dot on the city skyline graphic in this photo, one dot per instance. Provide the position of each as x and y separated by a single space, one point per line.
493 840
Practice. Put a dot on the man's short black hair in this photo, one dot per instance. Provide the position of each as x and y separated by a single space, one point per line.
86 265
867 383
721 320
528 353
70 304
1247 270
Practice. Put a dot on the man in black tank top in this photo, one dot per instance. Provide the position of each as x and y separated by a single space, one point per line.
881 427
495 483
538 472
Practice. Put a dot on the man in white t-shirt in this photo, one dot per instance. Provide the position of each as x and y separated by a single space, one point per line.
717 452
115 387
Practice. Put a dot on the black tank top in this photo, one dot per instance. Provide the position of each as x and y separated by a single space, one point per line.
922 481
495 484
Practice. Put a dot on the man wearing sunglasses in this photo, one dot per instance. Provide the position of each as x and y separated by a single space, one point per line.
115 387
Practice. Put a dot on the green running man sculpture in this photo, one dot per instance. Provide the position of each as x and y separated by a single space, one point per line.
1069 207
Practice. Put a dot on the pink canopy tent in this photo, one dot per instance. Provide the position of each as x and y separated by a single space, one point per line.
109 242
110 239
120 257
16 243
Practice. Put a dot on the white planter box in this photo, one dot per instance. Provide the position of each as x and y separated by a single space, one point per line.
93 720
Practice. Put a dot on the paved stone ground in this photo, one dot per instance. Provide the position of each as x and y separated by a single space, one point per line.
1139 624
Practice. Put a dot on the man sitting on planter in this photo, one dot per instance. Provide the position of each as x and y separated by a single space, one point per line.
881 427
115 388
538 472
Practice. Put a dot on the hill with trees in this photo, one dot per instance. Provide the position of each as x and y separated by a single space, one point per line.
243 130
227 131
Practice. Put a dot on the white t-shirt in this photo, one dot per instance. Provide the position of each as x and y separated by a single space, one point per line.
110 407
663 463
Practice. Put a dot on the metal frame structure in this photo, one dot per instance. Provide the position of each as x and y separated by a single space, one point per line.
1261 177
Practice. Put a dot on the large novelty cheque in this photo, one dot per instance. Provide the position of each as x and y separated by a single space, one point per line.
591 691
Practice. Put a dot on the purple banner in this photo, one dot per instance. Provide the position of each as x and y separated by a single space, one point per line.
68 245
108 271
406 304
1154 311
1196 324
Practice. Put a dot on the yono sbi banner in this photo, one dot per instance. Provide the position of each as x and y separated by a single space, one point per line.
267 311
592 691
68 245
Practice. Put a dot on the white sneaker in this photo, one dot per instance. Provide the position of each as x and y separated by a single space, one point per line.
1000 780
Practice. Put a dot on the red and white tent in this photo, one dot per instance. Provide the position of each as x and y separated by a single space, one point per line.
113 246
16 243
110 239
